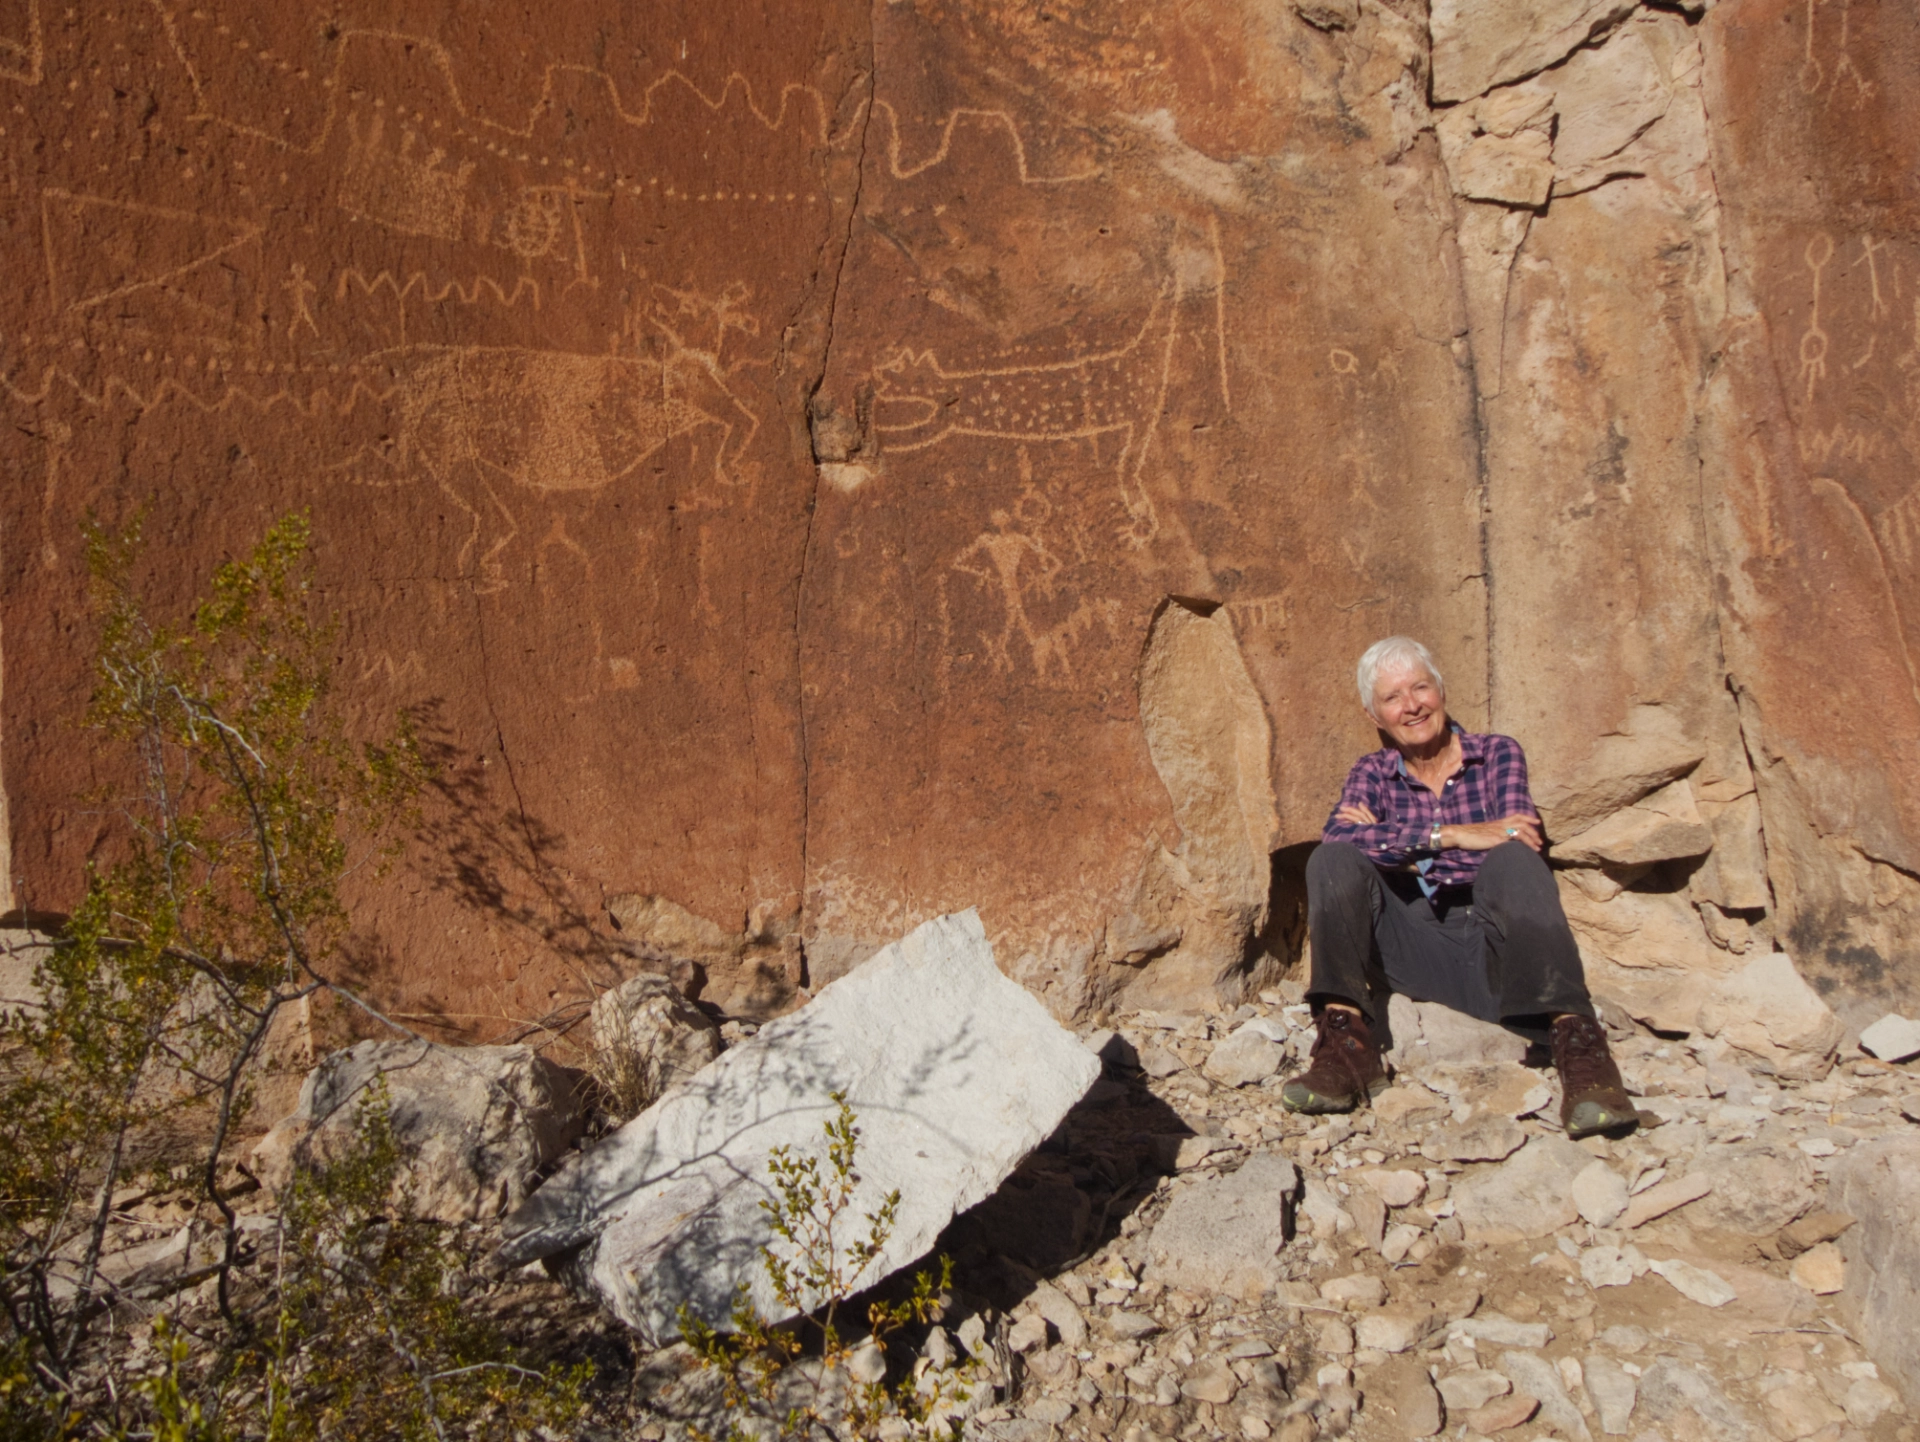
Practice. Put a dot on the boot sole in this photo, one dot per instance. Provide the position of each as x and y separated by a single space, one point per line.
1590 1118
1308 1102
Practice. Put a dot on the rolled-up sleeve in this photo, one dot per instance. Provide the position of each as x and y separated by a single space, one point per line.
1398 836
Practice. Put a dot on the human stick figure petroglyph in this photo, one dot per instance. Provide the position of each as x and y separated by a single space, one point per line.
1814 341
1024 569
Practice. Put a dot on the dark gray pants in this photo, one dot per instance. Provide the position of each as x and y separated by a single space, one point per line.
1504 954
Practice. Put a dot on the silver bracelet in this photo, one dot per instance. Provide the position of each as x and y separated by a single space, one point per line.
1433 841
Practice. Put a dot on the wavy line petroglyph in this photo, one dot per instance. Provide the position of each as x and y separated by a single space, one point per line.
794 97
999 119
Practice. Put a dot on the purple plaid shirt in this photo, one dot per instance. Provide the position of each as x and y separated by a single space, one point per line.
1491 783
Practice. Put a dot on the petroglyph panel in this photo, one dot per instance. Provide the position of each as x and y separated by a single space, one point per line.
523 319
1816 155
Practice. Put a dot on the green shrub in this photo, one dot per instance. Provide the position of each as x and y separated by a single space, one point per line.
822 1248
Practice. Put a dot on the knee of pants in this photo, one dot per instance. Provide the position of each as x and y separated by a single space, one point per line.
1513 867
1336 867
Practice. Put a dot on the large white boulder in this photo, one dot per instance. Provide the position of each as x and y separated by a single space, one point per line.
476 1124
954 1072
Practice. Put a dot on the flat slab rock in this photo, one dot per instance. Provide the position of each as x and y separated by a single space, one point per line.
954 1072
1223 1234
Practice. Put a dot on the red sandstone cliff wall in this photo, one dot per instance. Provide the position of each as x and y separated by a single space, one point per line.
762 443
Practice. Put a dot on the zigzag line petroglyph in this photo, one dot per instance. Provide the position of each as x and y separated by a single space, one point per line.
354 279
994 117
441 59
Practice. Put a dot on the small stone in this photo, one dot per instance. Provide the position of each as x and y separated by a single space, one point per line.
1333 1337
1798 1408
1159 1063
1605 1267
1485 1139
1398 1241
1300 1427
1129 1326
1027 1334
1503 1331
1810 1231
1472 1387
1892 1038
1059 1310
1369 1215
1527 1197
868 1363
1210 1381
1393 1329
1361 1288
1253 1425
1499 1415
1614 1392
1396 1187
1223 1234
1696 1284
1868 1400
973 1335
1821 1269
1244 1058
1537 1377
1053 1411
939 1350
1658 1200
1416 1406
1600 1193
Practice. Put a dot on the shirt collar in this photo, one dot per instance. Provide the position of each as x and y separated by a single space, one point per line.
1473 747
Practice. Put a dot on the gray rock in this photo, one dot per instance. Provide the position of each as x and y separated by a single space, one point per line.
1222 1234
1892 1038
1689 1405
1061 1313
1528 1196
1756 1189
1502 1331
1483 1139
1600 1193
1246 1057
1614 1392
647 1023
1428 1034
1473 1387
476 1123
1878 1182
1538 1377
954 1071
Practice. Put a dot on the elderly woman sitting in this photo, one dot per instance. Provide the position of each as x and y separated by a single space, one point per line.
1429 882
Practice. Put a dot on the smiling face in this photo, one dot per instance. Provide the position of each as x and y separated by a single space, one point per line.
1409 706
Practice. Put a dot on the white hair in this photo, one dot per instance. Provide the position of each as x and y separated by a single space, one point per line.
1392 654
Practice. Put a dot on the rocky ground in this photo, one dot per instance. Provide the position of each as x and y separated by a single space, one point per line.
1187 1259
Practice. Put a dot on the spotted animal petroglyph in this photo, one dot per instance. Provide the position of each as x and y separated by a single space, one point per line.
1118 391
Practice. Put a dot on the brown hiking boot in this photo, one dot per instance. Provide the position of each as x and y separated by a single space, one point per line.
1593 1098
1346 1066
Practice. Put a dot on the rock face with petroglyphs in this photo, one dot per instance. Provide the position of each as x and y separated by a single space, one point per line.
809 470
